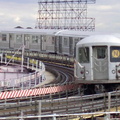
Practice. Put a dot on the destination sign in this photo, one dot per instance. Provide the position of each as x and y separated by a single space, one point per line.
115 54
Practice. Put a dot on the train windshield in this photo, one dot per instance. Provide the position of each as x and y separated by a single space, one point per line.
114 54
83 54
99 52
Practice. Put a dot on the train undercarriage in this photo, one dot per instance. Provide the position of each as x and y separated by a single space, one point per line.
88 89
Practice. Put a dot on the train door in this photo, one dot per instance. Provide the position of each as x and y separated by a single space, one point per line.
55 45
60 44
11 40
100 62
26 41
70 45
76 40
43 43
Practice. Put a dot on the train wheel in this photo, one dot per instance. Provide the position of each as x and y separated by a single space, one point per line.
117 87
89 89
99 89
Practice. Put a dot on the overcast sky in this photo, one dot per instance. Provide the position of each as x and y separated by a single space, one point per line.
25 12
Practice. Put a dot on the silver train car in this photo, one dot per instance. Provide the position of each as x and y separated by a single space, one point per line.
45 41
98 62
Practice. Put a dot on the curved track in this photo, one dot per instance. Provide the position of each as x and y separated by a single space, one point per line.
62 87
63 84
65 72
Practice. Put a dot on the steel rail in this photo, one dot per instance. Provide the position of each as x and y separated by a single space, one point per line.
70 105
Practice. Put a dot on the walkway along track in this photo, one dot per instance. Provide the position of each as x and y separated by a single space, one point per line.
70 105
57 90
65 83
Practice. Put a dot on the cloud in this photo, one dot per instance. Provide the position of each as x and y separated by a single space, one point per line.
25 12
106 14
104 7
17 20
19 1
18 13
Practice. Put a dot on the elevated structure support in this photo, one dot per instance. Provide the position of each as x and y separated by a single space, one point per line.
65 14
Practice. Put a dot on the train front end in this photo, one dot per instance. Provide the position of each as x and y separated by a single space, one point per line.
98 59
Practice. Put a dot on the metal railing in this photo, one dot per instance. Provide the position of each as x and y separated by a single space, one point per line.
81 107
24 81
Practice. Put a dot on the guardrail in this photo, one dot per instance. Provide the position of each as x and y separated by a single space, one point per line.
46 57
81 107
26 81
82 104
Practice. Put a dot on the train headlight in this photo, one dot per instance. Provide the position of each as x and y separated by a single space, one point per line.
87 72
113 71
82 72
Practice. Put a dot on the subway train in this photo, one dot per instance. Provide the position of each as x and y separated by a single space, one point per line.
98 62
42 40
96 55
56 46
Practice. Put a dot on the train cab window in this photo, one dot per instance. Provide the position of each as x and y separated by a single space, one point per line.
4 37
83 54
99 52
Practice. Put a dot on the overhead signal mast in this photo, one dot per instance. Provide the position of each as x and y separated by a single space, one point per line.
65 14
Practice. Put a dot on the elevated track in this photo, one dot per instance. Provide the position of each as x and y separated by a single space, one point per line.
98 103
54 98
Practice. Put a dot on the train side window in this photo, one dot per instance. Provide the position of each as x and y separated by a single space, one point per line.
65 41
19 38
26 37
34 39
83 54
4 37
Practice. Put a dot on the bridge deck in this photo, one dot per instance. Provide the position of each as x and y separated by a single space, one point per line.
97 81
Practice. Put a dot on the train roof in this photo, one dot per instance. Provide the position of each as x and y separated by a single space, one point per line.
30 31
69 33
100 40
116 35
73 33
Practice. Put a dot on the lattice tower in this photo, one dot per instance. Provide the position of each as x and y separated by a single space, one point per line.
65 14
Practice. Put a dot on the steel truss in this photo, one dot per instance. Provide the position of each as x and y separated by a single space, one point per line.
65 14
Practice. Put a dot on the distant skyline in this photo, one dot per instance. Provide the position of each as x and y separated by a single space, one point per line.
24 13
